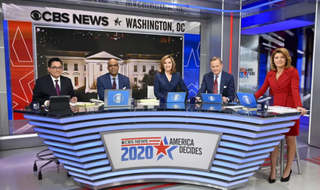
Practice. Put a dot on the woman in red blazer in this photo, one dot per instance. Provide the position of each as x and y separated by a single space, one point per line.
283 81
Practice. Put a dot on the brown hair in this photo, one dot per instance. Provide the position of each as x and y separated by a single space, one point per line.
173 69
215 58
285 53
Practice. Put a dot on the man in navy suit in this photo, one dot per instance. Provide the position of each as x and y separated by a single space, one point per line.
53 84
112 80
218 82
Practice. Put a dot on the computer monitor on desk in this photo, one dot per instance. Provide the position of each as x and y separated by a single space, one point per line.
117 98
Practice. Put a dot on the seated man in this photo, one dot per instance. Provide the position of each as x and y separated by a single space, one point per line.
53 84
112 80
218 82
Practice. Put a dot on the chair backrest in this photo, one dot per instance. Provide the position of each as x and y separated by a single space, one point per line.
150 93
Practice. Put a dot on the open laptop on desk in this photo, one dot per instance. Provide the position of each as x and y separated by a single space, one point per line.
114 98
247 100
211 98
59 104
174 97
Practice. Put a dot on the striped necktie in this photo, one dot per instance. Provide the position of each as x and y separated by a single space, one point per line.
215 85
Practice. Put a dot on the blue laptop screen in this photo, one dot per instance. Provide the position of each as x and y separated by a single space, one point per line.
117 98
247 99
211 98
176 96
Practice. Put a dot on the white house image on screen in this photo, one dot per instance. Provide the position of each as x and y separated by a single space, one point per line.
84 70
73 66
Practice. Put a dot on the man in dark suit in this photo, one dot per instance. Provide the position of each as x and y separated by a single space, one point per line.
218 82
53 84
112 80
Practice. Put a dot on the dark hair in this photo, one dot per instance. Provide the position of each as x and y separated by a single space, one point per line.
164 58
52 60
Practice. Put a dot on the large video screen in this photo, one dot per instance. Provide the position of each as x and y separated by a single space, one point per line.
85 55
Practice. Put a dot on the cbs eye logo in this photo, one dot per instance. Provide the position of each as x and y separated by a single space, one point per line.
35 15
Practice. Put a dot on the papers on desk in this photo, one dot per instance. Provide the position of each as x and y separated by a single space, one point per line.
148 102
83 104
280 109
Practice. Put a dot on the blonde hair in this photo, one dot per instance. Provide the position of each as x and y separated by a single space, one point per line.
215 58
173 69
285 53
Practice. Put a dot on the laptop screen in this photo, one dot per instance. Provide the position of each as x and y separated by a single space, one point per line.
117 98
247 99
211 98
176 96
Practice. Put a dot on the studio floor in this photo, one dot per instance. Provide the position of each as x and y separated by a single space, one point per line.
16 173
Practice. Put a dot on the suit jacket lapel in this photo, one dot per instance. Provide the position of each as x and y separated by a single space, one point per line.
210 83
222 82
283 78
120 82
107 81
166 81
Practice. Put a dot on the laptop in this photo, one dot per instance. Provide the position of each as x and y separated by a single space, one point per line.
176 97
247 99
117 98
59 103
211 107
211 98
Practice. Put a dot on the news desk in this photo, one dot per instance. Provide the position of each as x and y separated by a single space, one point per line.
189 144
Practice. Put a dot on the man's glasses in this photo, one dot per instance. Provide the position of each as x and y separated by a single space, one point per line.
116 65
56 68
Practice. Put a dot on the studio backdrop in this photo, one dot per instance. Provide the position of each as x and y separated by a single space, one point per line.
85 42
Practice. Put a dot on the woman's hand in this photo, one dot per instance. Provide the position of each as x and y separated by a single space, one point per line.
302 110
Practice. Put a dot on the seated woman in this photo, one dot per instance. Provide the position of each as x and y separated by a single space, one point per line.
167 80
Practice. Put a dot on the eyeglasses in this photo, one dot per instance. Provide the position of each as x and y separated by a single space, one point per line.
116 65
56 68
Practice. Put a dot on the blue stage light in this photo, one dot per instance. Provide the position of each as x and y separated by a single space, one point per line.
89 171
74 147
248 148
155 126
162 170
233 172
244 154
83 159
210 115
159 177
101 163
240 160
79 153
236 166
251 141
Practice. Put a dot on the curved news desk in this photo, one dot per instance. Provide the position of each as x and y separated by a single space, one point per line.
102 148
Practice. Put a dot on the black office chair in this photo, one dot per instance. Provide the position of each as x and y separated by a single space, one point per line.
44 155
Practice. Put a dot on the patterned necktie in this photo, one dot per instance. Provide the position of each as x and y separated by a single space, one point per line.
215 85
57 88
114 85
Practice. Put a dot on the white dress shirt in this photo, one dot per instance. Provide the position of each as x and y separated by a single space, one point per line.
116 79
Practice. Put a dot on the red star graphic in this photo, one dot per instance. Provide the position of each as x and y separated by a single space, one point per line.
245 73
162 148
